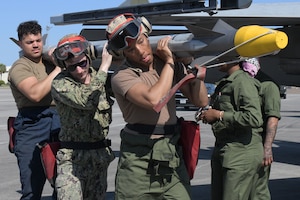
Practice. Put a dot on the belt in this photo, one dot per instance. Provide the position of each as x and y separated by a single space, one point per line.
152 129
86 145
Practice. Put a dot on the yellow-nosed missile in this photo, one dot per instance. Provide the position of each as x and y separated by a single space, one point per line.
262 41
222 40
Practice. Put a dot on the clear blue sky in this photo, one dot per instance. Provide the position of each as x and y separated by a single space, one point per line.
13 12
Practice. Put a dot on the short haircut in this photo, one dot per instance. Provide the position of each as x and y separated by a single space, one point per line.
29 27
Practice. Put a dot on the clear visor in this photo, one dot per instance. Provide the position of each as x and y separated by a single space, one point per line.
74 48
118 40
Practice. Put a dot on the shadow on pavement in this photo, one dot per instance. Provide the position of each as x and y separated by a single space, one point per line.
284 152
287 189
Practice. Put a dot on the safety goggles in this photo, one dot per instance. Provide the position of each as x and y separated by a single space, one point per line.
72 68
75 48
131 30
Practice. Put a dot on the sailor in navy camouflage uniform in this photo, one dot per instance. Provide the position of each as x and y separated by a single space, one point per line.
85 109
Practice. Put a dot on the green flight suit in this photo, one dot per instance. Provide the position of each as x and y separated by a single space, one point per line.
270 108
238 151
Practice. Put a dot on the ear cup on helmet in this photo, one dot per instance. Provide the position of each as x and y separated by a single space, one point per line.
116 54
91 51
60 63
146 25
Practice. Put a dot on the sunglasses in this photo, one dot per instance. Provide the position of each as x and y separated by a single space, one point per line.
118 40
81 64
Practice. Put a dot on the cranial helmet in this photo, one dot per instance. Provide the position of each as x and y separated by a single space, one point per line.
122 27
73 45
251 66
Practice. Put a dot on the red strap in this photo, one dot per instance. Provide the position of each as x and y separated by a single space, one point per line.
172 91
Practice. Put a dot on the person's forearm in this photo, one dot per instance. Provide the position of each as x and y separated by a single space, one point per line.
41 88
164 83
271 129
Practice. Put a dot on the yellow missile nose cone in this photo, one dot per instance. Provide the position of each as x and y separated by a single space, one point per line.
281 39
258 41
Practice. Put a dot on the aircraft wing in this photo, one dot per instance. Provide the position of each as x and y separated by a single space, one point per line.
283 67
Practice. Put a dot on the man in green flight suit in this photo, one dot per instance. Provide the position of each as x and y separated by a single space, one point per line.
236 121
271 115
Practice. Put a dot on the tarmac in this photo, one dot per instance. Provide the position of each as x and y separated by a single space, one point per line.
285 173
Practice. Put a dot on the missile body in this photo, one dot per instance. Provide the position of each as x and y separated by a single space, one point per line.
182 45
247 41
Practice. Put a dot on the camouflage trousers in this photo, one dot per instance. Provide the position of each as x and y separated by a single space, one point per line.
82 174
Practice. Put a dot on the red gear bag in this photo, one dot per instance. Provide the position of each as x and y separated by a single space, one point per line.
190 142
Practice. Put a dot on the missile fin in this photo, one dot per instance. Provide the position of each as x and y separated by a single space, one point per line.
203 33
222 27
14 40
44 38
